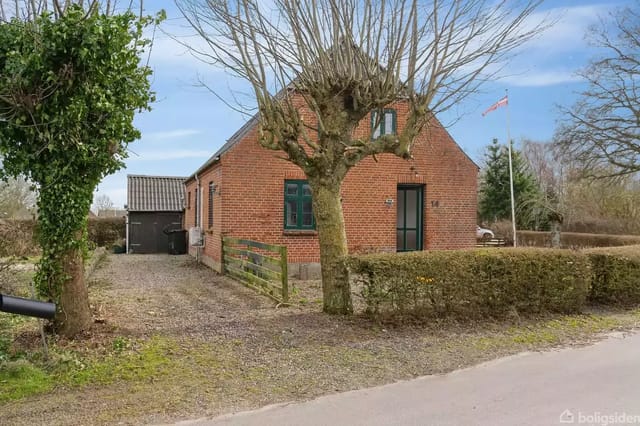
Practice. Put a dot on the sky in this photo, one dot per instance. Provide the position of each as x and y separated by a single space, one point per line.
188 123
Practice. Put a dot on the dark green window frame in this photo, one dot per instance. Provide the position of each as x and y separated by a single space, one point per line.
402 228
382 125
294 203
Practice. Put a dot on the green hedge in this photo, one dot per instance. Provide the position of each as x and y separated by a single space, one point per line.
104 232
615 275
472 283
17 237
574 240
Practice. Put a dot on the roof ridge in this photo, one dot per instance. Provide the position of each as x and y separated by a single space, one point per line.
157 177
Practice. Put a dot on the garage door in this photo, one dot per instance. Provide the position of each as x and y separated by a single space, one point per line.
146 231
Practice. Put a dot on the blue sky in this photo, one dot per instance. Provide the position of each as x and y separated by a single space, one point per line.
188 123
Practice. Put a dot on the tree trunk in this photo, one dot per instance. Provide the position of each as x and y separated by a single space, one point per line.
74 314
327 209
555 234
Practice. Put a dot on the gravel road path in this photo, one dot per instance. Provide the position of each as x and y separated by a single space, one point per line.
177 296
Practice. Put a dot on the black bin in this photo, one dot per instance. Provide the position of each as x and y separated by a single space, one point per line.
177 241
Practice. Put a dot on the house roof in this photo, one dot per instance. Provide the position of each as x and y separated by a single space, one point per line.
246 128
235 138
155 193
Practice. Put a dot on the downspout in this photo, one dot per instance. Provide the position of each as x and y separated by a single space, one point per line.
198 217
127 231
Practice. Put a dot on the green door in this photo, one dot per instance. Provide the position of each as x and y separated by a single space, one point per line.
409 218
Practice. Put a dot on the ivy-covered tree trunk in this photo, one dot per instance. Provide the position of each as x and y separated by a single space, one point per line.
63 208
74 314
70 84
332 237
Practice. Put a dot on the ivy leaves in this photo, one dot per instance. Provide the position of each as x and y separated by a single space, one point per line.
69 89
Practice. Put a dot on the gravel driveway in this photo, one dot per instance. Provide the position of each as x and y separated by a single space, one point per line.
176 296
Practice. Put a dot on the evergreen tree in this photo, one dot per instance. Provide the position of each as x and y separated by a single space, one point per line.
495 198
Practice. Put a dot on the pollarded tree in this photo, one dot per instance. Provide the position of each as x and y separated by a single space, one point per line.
602 130
347 58
70 84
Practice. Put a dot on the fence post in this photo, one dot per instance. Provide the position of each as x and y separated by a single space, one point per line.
285 274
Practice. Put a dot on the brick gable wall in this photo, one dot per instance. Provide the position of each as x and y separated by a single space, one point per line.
250 201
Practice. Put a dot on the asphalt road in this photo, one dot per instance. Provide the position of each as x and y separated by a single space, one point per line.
598 384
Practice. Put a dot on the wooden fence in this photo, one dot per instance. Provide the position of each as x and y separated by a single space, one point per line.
494 242
260 266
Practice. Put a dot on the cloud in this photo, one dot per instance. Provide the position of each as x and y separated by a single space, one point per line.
554 56
167 50
171 134
542 78
569 30
168 155
175 45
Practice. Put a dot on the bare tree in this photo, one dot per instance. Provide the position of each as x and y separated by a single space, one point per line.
549 204
603 128
28 10
17 199
341 60
582 204
102 202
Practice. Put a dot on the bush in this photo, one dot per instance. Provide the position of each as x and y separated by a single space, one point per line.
17 238
104 232
472 283
574 240
615 275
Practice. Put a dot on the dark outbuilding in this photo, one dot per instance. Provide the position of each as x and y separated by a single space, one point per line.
155 205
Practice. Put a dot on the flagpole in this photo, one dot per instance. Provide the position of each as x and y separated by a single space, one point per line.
513 203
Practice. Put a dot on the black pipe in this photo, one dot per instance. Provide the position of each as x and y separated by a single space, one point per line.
28 307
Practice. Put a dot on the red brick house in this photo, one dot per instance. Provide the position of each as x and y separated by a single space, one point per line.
246 191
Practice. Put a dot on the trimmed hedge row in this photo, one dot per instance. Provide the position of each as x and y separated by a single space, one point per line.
17 237
104 232
472 283
615 275
574 240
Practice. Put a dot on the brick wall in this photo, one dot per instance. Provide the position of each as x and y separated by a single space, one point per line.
250 201
212 234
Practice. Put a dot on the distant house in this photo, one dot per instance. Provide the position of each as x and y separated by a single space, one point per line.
154 204
246 191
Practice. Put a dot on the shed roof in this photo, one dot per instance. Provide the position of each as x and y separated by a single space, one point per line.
155 193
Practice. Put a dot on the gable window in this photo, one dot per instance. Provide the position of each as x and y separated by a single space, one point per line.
212 190
385 126
189 200
298 211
